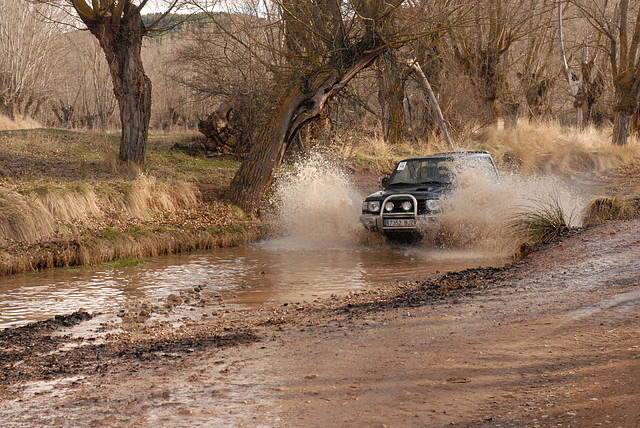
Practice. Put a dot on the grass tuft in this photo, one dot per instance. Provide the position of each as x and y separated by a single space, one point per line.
542 223
609 208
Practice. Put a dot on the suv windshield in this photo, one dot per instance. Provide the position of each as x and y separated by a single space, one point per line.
422 171
437 170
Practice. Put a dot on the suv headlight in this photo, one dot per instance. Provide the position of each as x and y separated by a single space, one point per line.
371 206
434 205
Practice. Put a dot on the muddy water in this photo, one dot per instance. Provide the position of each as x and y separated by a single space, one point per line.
272 271
316 210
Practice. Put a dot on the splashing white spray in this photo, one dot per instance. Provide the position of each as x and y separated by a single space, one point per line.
316 205
476 215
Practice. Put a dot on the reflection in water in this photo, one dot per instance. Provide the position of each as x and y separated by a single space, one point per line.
272 271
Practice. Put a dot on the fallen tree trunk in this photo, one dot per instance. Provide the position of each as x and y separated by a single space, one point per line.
217 129
437 112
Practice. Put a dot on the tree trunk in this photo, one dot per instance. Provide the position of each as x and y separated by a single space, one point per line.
627 89
621 122
256 172
509 112
435 106
217 128
6 109
391 98
131 86
302 104
135 113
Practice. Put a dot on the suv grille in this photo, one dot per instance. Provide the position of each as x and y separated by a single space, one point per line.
397 207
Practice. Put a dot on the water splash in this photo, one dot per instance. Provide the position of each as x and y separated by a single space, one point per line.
316 205
476 215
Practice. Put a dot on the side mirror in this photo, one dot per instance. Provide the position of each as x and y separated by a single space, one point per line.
384 181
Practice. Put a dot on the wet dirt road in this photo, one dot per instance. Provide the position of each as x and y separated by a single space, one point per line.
550 341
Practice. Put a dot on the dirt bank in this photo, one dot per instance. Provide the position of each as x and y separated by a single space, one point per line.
66 201
550 341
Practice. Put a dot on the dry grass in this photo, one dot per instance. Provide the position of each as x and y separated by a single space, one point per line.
62 210
64 200
7 124
377 155
610 208
528 148
548 148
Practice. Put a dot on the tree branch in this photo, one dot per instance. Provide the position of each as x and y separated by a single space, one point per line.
413 64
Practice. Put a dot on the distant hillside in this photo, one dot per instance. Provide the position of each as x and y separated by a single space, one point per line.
176 22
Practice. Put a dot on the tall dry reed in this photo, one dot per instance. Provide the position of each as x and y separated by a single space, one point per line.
47 211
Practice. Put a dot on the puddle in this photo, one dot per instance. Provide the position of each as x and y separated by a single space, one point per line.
247 276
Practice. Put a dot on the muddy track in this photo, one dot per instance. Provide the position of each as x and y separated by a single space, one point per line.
547 341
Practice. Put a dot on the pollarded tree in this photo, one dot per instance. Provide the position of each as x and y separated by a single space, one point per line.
392 76
119 28
619 23
586 83
483 48
326 43
624 56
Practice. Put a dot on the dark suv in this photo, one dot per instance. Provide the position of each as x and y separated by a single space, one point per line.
411 198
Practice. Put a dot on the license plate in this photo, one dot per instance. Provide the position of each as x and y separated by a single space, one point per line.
400 222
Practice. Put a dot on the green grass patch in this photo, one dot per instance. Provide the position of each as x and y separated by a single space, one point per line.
109 233
125 262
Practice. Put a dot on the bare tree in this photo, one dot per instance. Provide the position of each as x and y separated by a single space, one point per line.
535 64
326 45
586 84
625 66
88 101
428 21
119 29
28 58
483 47
229 55
392 76
619 23
415 66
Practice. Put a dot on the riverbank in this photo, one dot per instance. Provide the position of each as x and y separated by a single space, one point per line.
65 201
548 340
